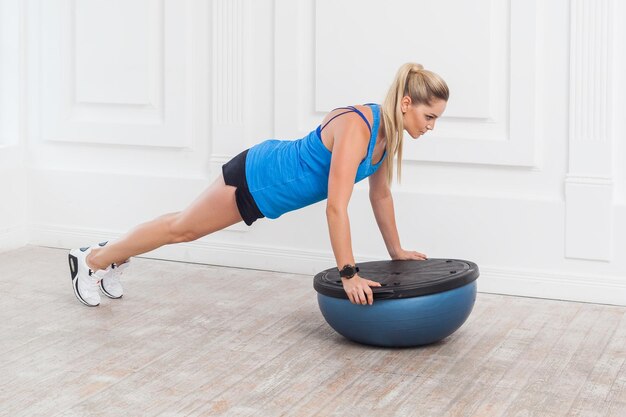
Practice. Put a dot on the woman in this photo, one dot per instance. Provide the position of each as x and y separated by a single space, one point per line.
275 177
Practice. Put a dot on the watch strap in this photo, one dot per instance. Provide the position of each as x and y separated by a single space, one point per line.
348 271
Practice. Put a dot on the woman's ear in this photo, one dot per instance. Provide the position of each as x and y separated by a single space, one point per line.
405 103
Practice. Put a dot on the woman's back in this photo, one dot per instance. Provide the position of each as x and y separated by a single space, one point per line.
286 175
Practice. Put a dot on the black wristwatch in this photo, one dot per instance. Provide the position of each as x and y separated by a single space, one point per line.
348 271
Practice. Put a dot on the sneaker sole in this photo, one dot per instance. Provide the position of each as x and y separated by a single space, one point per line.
73 260
105 292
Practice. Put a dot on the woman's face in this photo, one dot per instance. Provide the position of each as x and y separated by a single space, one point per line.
420 118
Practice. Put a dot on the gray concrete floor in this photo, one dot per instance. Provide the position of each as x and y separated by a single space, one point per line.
196 340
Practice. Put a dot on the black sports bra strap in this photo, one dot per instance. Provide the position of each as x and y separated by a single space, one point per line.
351 109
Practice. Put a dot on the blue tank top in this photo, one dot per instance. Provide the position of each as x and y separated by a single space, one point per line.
287 175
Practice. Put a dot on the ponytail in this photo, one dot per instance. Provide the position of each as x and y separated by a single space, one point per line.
422 86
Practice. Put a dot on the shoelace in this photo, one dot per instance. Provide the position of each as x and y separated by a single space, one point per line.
117 271
94 279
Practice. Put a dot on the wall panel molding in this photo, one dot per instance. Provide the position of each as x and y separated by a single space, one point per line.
228 59
211 78
589 182
115 73
229 48
10 71
501 130
618 103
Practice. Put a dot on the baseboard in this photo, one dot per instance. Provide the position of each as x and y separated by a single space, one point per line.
516 282
601 289
12 238
203 251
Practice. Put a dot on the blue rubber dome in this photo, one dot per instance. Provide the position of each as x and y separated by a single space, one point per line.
419 302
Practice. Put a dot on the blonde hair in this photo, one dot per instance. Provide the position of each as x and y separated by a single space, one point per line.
422 86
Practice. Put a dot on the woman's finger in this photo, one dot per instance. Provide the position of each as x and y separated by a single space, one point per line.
348 294
362 298
363 295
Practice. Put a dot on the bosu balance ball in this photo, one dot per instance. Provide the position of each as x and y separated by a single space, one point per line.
418 302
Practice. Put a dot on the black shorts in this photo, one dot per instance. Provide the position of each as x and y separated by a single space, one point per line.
234 172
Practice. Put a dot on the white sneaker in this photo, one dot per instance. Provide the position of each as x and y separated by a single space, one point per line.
110 284
84 280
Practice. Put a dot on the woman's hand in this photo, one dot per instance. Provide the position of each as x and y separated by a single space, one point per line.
358 289
405 255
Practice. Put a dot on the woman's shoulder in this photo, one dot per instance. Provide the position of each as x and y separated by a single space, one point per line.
355 114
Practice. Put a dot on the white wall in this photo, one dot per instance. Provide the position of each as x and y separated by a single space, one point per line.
134 106
12 167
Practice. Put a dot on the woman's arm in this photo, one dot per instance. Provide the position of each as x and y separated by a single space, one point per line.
351 139
382 205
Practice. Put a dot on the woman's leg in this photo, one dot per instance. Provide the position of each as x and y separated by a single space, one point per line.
215 209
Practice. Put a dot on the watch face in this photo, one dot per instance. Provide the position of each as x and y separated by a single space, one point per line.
347 271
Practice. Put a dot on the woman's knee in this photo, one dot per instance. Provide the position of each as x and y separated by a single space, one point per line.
180 230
